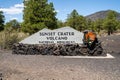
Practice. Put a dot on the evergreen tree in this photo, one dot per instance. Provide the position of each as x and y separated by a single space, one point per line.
98 24
60 23
2 18
110 22
89 24
76 21
38 14
12 25
118 25
81 23
72 18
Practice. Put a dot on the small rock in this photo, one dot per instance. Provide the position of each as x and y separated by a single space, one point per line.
1 75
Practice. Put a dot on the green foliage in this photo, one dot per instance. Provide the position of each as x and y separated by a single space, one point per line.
89 24
37 15
98 24
81 22
72 18
12 25
2 18
76 21
73 14
33 28
60 24
110 22
118 25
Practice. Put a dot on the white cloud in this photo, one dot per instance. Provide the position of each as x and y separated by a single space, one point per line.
14 18
19 5
16 9
56 11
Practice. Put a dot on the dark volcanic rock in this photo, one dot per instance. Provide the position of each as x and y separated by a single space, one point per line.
51 49
1 76
56 49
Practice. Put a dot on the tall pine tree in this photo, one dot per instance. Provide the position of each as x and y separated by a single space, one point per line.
76 21
72 18
98 24
110 22
38 14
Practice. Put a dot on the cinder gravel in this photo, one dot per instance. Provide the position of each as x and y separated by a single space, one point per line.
111 43
38 67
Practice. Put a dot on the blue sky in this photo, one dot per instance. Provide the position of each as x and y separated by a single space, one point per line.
13 8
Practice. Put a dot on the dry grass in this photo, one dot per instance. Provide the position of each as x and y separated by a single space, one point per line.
7 39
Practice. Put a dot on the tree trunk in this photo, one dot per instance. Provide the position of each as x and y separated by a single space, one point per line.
109 32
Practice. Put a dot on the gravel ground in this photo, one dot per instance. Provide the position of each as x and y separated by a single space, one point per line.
111 43
38 67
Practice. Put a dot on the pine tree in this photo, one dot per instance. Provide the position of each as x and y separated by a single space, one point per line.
89 24
110 22
76 21
38 14
98 24
12 25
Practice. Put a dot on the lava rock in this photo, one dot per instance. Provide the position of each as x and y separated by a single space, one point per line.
49 49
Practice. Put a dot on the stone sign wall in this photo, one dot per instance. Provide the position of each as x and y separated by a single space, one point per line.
64 41
65 35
